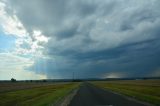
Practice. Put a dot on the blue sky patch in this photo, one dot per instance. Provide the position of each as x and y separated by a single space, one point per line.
7 42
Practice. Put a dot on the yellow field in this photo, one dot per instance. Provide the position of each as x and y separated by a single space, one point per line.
144 90
30 94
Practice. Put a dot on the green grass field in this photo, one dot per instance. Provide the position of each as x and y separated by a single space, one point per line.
35 96
144 90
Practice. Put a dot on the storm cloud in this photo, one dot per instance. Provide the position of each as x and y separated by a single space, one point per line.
93 38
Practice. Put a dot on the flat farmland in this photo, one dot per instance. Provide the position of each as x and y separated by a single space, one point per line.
33 94
144 90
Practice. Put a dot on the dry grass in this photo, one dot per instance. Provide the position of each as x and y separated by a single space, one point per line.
39 95
10 86
145 90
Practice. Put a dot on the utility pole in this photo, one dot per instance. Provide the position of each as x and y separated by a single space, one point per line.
73 76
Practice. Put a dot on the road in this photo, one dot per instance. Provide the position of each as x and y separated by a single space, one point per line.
89 95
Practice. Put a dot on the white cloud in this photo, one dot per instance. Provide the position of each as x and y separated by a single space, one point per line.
26 43
114 75
28 47
39 36
14 66
11 24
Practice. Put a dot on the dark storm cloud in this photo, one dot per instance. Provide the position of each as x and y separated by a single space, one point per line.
67 32
132 60
94 38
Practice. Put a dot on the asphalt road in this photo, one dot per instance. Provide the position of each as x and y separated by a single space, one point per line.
89 95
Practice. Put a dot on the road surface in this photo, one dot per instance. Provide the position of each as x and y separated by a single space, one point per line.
89 95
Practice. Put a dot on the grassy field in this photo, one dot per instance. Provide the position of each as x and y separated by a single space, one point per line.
144 90
33 94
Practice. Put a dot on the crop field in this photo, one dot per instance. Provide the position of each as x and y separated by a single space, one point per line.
144 90
33 94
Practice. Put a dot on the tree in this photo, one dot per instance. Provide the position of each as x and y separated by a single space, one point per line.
13 80
44 80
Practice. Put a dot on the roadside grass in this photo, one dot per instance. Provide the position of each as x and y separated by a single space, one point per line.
39 96
10 86
144 90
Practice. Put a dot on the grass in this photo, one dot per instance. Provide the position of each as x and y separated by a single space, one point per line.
144 90
37 96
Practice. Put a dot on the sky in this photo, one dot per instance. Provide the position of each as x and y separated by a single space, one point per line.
52 39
